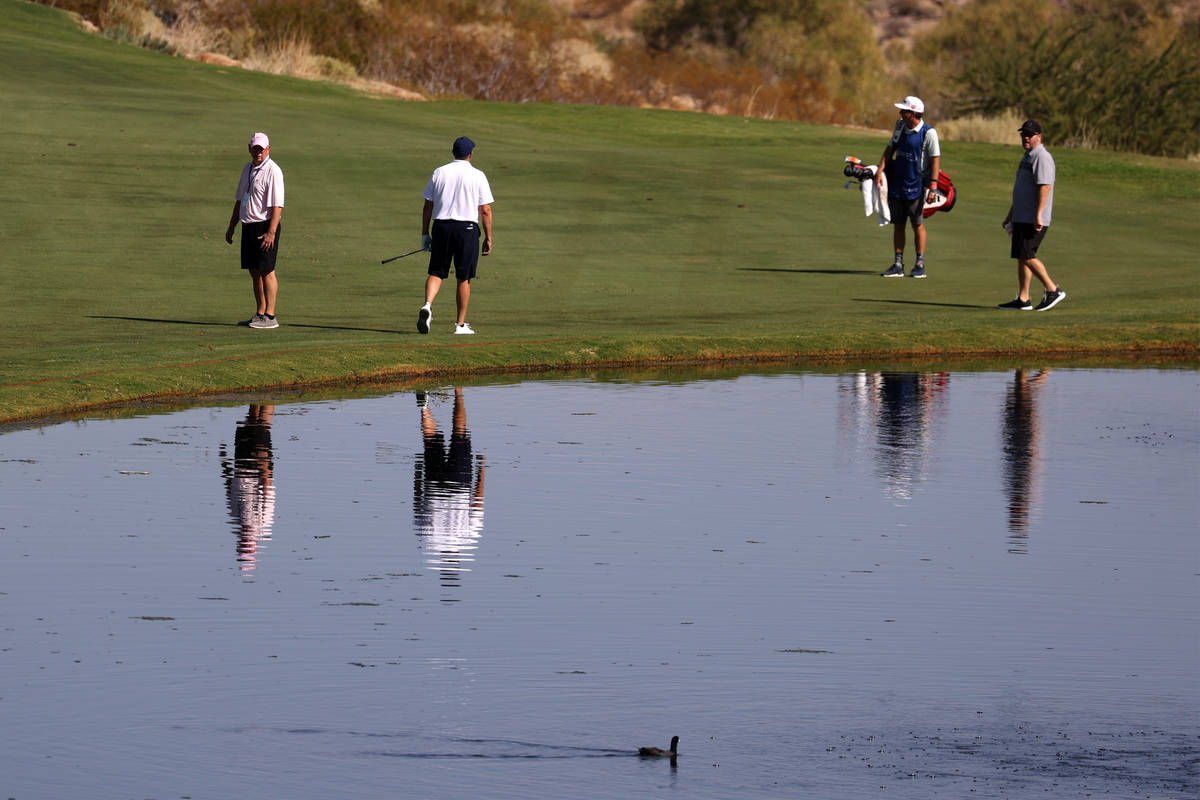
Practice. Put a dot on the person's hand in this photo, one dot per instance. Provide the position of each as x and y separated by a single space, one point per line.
1038 225
426 241
879 177
487 246
229 234
931 197
268 240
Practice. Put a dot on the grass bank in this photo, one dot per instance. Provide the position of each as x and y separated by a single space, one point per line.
623 237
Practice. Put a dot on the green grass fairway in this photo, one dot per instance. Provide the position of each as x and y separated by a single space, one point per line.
623 236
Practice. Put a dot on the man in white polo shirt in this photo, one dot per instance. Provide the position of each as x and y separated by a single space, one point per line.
458 201
258 205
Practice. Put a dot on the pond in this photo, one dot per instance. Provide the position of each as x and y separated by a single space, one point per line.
903 584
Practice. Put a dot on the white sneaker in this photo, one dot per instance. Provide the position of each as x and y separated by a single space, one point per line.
424 317
464 328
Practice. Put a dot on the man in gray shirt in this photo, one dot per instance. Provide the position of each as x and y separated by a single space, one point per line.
1028 220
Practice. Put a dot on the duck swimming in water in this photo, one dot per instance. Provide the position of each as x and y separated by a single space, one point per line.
658 752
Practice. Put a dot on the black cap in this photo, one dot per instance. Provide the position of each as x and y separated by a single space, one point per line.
463 147
1030 127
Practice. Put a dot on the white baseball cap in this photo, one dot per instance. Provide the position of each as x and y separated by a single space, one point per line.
260 140
911 103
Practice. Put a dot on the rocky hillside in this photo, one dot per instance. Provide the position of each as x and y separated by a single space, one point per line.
1088 63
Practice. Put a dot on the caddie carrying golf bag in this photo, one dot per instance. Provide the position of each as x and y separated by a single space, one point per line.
875 197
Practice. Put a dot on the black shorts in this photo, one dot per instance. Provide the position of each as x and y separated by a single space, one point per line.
447 468
904 210
458 242
1026 239
254 258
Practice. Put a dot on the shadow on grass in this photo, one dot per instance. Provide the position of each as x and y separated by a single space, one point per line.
811 271
243 324
917 303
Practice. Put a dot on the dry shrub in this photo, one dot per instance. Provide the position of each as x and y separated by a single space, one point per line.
296 57
659 80
997 129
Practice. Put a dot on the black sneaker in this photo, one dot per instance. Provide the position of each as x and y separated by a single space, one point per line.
1051 299
1018 304
894 271
918 270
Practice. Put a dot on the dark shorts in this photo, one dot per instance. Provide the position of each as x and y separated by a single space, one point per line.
904 210
447 468
254 258
1026 240
458 242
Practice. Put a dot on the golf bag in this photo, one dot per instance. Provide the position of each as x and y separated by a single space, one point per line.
875 198
945 193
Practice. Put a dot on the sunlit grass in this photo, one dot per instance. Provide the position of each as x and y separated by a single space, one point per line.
623 236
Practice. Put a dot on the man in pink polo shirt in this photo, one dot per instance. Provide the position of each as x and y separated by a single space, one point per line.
258 205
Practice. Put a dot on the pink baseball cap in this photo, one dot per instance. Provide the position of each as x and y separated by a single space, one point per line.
260 140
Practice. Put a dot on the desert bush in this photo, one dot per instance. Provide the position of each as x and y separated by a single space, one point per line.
147 41
826 42
1096 74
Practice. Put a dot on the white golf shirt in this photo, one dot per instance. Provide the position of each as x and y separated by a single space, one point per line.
457 190
259 189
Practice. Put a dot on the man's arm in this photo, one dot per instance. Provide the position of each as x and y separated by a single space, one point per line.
887 154
485 219
233 221
935 164
268 238
426 218
1043 198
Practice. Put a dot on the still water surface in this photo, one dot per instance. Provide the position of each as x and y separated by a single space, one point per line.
867 585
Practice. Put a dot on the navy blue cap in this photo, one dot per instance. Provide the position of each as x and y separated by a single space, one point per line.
463 147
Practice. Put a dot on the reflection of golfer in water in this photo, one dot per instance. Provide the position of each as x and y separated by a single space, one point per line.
448 493
1020 436
249 483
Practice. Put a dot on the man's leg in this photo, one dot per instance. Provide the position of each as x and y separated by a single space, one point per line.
919 238
265 288
1024 278
1036 267
270 286
260 292
425 316
432 284
898 239
462 298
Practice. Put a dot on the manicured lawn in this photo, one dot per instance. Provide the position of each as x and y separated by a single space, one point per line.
622 236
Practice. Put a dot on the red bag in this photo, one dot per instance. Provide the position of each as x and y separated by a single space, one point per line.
946 195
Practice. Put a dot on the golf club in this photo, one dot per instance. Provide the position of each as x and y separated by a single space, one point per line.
406 255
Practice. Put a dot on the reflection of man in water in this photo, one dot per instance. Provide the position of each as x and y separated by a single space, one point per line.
907 402
448 492
249 483
1020 435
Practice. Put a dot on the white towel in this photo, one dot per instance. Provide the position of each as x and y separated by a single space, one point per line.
875 199
874 196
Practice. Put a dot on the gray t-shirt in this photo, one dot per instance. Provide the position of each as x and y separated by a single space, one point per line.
1036 169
